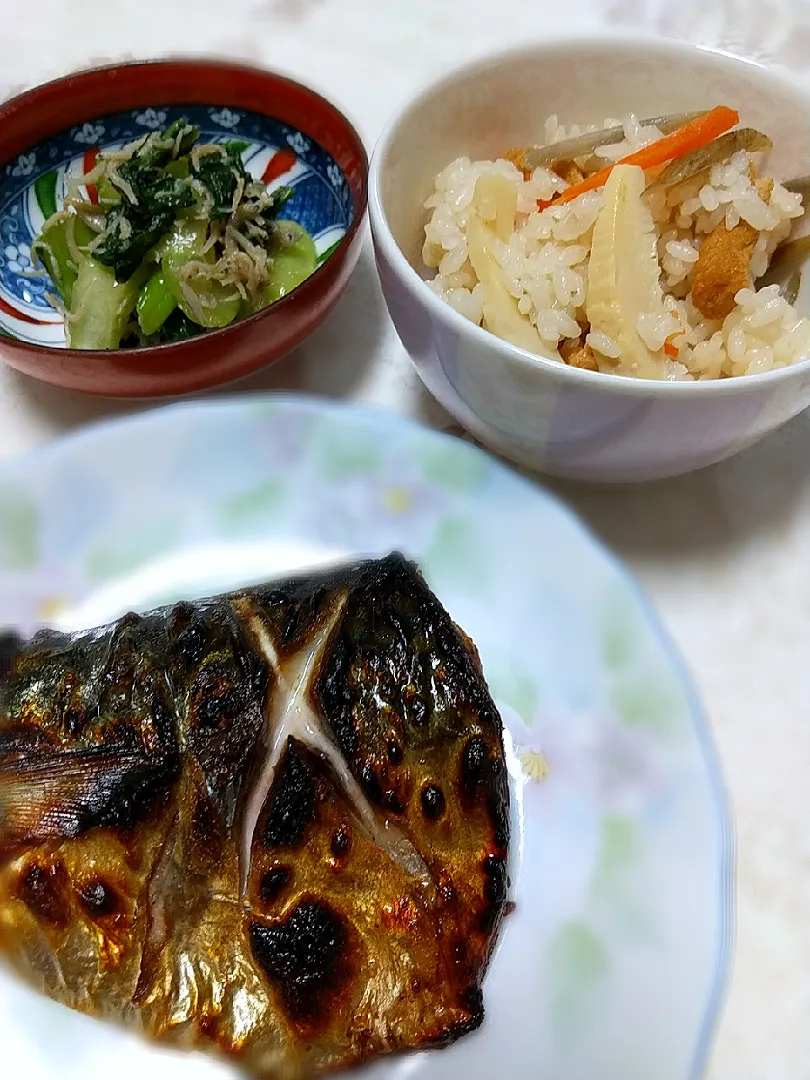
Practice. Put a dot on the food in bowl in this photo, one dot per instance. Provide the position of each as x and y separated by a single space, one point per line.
634 248
167 237
274 823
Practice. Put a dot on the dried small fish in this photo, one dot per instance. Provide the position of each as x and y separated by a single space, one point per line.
721 149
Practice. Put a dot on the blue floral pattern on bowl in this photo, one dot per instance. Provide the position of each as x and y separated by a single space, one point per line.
33 186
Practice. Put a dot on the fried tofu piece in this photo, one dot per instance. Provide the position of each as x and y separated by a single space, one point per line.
722 269
568 171
517 159
723 264
576 353
764 188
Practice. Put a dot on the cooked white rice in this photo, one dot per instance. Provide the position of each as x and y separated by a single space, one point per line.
545 262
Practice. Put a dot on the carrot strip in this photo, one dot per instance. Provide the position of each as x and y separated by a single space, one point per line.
670 348
690 137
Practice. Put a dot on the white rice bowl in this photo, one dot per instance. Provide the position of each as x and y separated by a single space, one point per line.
545 262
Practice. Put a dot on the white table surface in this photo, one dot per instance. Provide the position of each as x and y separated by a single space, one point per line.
725 553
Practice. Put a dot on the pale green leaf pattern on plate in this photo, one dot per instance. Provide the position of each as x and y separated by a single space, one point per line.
131 548
619 631
621 886
457 556
641 691
248 511
643 698
516 687
342 458
453 465
579 970
19 530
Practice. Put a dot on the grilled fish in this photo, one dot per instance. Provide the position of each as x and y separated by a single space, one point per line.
273 824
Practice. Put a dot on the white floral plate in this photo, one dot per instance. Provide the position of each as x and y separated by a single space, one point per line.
613 964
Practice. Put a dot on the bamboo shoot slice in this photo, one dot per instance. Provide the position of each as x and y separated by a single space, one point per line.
623 272
501 314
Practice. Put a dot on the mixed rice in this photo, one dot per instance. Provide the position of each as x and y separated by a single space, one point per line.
711 321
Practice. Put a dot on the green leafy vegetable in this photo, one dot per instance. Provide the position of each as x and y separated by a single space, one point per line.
178 327
52 248
101 308
208 302
155 304
134 228
221 171
294 260
278 198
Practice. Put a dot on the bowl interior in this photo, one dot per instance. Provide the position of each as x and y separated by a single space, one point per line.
33 184
483 111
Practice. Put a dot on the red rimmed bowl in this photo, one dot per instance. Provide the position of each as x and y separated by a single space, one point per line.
291 135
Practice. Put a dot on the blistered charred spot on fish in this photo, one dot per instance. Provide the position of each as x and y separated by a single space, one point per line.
341 842
213 699
433 802
99 899
293 610
336 695
300 619
308 959
472 999
180 616
251 669
394 752
43 891
190 642
10 645
499 801
273 598
371 783
291 803
273 883
255 671
129 621
475 766
121 799
495 880
487 920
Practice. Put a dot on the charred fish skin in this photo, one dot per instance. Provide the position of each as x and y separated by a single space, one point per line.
273 823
